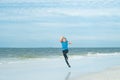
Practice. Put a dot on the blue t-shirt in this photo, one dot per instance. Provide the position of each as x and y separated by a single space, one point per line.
64 45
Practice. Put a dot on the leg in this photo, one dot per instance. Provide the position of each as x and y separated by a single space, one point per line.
67 63
65 56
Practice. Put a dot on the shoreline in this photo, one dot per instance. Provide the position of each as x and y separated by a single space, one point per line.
56 69
108 74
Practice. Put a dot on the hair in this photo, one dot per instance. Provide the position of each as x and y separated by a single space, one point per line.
65 38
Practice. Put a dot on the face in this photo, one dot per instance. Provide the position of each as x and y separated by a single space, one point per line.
64 39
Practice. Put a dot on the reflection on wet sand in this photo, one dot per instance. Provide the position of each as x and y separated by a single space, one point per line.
68 76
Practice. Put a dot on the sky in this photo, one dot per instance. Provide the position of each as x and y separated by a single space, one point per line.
40 23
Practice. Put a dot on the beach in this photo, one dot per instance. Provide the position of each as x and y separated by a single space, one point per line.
90 66
109 74
82 69
37 36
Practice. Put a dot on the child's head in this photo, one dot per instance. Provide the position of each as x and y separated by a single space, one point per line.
64 39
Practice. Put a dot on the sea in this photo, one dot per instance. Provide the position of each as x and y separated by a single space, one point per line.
8 55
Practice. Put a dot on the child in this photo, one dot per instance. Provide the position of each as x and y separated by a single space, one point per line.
65 43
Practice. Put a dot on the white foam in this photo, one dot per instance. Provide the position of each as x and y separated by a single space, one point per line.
90 54
55 58
22 61
77 57
103 54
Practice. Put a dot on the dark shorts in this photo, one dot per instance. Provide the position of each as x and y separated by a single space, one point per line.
65 51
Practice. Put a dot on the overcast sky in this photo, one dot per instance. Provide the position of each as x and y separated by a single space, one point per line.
40 23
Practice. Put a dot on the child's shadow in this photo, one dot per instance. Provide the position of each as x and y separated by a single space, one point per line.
68 76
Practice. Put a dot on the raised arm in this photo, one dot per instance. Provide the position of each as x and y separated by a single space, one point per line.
61 38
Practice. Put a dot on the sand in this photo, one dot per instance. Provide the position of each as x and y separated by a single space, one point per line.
109 74
87 68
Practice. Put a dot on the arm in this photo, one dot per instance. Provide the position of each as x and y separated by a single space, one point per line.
70 42
61 39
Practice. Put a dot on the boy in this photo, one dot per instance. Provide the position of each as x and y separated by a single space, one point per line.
65 43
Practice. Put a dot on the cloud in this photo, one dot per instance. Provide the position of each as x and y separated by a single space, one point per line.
76 4
86 12
32 9
94 38
36 14
84 1
45 20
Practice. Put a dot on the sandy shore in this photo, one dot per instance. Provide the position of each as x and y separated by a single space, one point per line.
88 68
109 74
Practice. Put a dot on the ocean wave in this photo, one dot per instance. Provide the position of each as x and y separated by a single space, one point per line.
92 54
103 54
27 60
55 58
